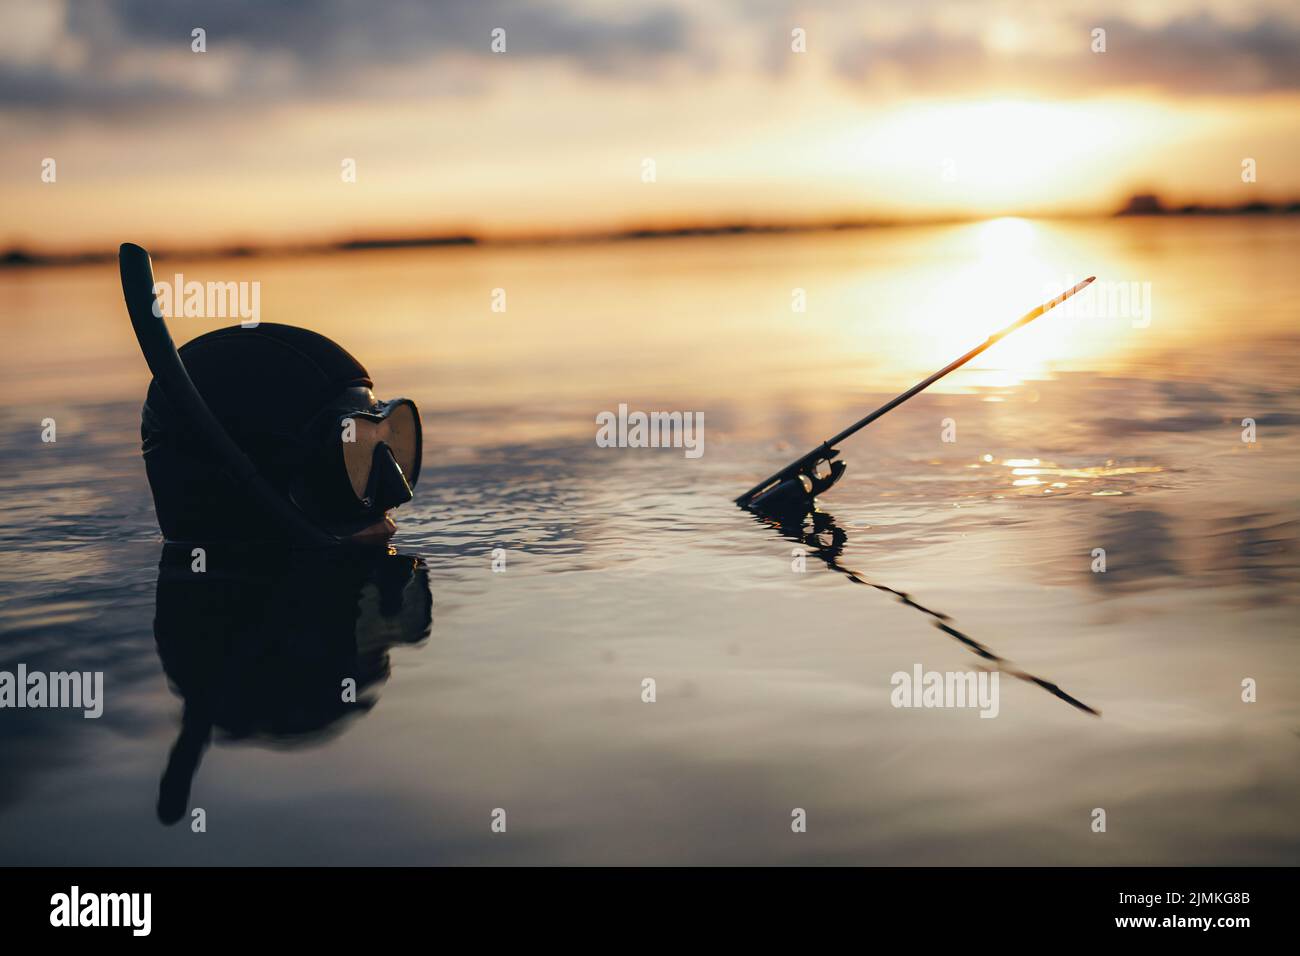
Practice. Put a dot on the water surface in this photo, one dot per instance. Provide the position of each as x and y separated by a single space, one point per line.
522 690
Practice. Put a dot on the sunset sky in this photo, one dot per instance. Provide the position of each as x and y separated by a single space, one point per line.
896 110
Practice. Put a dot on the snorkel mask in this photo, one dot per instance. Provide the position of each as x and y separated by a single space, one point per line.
363 457
268 433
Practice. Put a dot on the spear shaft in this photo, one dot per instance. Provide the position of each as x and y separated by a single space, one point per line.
826 449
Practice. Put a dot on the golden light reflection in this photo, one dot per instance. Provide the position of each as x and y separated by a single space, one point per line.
979 277
1007 235
1095 472
1034 475
992 264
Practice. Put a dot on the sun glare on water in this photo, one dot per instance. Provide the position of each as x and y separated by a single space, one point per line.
987 274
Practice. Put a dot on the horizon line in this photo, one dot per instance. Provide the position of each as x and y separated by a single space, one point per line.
1139 206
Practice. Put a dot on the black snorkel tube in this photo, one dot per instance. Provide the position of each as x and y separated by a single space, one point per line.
169 371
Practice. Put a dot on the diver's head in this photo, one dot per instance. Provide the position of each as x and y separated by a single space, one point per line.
268 433
301 408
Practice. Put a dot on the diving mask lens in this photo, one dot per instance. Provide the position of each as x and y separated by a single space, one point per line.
395 425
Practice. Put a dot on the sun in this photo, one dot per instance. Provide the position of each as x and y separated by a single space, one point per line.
989 156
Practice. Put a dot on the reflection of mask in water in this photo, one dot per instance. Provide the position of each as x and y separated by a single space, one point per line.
265 433
276 648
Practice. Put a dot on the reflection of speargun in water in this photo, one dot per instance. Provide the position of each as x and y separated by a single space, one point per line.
793 526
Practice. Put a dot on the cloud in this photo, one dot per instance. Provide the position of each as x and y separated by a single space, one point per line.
106 58
344 32
124 53
1198 54
1188 55
923 56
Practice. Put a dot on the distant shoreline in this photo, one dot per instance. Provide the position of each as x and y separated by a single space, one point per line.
1137 206
1149 204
